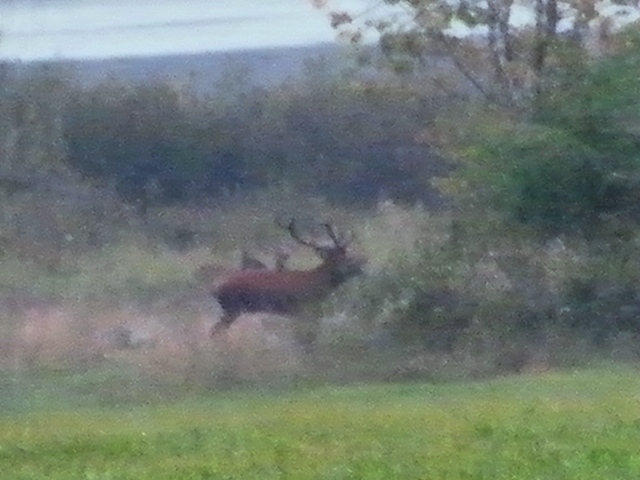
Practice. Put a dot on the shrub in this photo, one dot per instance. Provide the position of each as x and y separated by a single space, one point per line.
569 165
162 145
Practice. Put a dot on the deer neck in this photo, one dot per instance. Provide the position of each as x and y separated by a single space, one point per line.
331 274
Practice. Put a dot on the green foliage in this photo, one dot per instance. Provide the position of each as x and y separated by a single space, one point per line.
30 127
597 107
598 103
473 283
152 142
415 293
159 144
600 296
560 426
545 178
572 166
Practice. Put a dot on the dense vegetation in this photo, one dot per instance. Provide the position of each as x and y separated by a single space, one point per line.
112 195
160 144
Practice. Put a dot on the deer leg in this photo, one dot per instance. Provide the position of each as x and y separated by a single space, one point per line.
305 332
225 322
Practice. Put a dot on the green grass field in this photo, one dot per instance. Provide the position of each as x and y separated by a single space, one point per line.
583 425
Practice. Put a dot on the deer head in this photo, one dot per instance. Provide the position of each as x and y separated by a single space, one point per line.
335 254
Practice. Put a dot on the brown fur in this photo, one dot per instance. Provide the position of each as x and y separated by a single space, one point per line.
286 292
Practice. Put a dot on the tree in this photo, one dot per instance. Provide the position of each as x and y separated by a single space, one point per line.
31 107
573 165
502 48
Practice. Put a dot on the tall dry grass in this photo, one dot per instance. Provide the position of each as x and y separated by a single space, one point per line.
436 301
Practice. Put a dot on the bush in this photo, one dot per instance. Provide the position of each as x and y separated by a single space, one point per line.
477 286
153 143
549 180
570 165
413 293
162 145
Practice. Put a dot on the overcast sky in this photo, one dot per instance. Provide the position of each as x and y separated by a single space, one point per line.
33 29
39 29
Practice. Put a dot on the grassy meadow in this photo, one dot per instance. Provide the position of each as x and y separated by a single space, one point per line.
78 401
580 425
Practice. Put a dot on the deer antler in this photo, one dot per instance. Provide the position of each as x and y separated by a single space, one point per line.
333 235
340 240
290 226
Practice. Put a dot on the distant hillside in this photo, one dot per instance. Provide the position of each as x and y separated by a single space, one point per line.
264 67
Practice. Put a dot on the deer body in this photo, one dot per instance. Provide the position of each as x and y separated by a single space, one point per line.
277 291
286 292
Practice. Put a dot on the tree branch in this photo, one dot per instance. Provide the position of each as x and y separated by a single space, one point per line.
466 72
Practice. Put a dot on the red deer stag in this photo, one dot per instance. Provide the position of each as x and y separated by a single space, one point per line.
288 292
